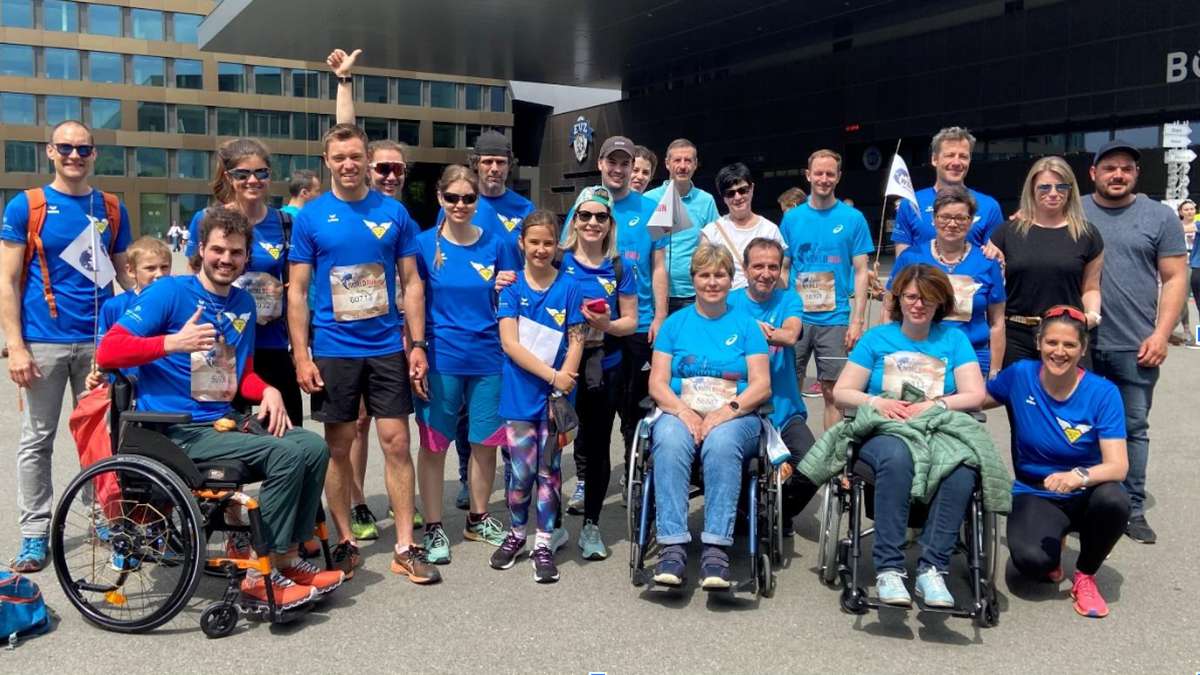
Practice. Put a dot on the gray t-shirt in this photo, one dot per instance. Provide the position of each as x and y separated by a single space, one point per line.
1135 237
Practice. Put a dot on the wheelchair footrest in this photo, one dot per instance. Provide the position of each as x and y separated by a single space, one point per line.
259 611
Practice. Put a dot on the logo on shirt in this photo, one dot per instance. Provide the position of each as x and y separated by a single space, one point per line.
730 340
635 220
509 223
838 228
559 315
1029 400
238 321
524 302
1073 432
52 210
377 229
484 271
273 249
101 224
332 218
609 285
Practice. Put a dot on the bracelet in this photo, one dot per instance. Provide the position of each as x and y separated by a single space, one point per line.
346 80
550 380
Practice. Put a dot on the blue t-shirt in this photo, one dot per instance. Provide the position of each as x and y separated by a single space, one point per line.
978 282
74 292
353 248
523 395
895 359
1053 435
912 229
709 348
110 312
785 392
601 283
702 210
822 245
168 384
460 303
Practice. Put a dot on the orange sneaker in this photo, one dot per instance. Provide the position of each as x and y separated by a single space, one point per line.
288 594
305 573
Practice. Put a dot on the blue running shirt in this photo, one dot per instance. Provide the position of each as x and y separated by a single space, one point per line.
822 245
912 229
785 391
895 359
708 356
978 282
601 283
545 317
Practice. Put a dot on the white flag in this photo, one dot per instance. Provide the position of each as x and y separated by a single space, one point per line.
89 257
669 216
900 183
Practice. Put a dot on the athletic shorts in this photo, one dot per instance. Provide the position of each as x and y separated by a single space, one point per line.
477 395
828 344
380 382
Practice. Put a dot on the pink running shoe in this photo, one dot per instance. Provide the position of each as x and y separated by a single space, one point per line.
1088 601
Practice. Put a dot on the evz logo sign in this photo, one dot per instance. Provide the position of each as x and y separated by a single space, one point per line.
581 138
1178 65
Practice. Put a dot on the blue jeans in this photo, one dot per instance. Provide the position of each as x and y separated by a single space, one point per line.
1136 385
722 455
889 457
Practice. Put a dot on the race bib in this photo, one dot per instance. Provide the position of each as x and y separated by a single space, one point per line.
922 371
214 373
541 341
818 291
358 291
964 297
267 292
706 394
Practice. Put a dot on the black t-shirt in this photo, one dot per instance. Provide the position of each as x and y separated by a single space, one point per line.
1044 267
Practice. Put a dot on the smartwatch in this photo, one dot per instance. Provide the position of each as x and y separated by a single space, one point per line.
1083 475
347 80
420 344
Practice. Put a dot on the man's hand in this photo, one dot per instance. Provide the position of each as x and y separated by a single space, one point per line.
993 252
505 278
94 379
853 332
341 63
274 412
21 367
1153 351
767 329
875 289
193 337
655 326
418 368
308 377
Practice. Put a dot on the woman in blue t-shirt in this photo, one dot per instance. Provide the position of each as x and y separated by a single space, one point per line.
903 369
1069 458
708 374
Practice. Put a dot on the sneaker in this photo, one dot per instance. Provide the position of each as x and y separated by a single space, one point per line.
559 538
544 569
345 557
489 530
311 549
413 564
437 546
288 594
32 557
237 546
714 569
504 557
418 519
671 569
590 543
362 523
305 573
890 584
463 501
931 588
1139 530
1088 601
575 503
812 391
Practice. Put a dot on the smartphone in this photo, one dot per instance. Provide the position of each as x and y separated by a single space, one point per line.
597 306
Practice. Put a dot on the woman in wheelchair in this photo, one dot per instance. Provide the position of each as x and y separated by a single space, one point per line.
708 374
902 369
1069 458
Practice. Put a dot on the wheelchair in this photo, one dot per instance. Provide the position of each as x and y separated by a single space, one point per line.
761 491
846 496
129 536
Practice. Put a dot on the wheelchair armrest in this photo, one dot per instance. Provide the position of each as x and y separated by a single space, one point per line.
766 409
136 417
647 404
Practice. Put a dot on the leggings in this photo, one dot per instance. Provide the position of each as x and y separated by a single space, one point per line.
635 357
1037 525
596 408
531 459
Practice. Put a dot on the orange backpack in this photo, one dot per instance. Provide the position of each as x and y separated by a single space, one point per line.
33 247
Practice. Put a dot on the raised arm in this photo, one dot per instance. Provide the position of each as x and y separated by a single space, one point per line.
342 65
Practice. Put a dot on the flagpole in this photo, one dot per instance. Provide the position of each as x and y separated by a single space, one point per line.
879 244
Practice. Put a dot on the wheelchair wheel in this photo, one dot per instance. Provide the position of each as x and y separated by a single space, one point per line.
127 544
633 510
218 620
830 533
766 576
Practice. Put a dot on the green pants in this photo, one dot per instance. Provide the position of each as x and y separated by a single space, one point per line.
293 467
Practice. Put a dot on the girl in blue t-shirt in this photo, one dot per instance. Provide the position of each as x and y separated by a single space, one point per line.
542 333
1069 457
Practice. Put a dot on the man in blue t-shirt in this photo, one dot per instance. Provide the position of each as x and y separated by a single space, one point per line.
828 243
349 243
50 288
304 185
682 162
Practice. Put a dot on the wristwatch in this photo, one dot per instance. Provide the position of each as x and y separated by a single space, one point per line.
349 79
1094 317
1083 475
420 344
733 405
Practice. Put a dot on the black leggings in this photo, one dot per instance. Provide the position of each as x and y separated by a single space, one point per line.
593 462
275 367
798 490
1037 526
635 353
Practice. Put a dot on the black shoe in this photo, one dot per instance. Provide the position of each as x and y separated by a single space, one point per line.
544 569
504 557
1140 531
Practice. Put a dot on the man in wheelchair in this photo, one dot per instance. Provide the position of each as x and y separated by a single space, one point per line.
192 340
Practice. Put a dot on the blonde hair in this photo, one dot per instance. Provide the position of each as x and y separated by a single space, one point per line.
608 247
707 256
144 247
1077 225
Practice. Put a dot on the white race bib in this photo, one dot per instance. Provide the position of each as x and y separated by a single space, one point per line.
818 291
214 373
964 297
541 341
358 291
922 371
706 394
267 292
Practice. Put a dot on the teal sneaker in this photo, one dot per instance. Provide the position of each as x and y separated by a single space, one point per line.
489 530
890 584
931 588
362 523
437 546
559 538
590 543
32 557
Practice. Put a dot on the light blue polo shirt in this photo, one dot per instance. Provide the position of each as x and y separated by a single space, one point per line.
702 209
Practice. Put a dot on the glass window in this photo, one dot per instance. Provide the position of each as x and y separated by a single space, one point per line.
61 64
104 20
147 24
408 132
192 164
151 162
189 205
376 128
155 210
445 135
305 84
268 80
16 60
106 67
443 95
106 113
306 126
471 134
1046 144
231 77
189 74
499 99
191 119
110 160
18 109
268 123
16 13
59 15
409 92
374 89
151 116
229 122
1006 148
1140 137
332 87
20 156
62 108
281 165
149 71
184 26
474 98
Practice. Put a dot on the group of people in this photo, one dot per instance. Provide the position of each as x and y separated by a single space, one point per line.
489 323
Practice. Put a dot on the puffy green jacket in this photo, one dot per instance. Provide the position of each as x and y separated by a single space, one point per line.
939 440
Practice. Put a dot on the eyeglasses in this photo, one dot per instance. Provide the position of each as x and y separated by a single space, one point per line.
244 174
453 199
1067 310
1062 188
912 298
735 192
587 216
948 219
385 169
65 149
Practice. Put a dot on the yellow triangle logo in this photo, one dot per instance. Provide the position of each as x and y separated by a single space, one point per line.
485 272
273 250
1072 434
377 229
509 223
609 285
559 315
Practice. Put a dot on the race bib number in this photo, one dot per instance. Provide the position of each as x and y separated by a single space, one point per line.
964 297
706 394
541 341
922 371
818 291
214 373
358 292
267 292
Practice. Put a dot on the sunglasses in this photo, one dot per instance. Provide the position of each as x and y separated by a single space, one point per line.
385 169
1065 310
453 199
244 174
735 192
1062 188
65 149
588 216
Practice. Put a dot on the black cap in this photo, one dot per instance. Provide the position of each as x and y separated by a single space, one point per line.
1115 145
493 144
616 144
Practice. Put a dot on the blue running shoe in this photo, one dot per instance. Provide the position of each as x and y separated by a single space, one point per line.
890 584
931 588
671 569
32 557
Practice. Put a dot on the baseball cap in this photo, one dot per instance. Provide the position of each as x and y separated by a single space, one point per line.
614 144
598 194
1113 146
493 144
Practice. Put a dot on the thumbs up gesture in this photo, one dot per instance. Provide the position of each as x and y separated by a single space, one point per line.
193 337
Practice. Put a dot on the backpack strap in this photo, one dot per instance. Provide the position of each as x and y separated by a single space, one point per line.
285 223
618 269
34 248
112 211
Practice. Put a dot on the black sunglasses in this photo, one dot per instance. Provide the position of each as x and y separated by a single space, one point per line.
244 174
732 192
585 216
385 169
452 199
65 149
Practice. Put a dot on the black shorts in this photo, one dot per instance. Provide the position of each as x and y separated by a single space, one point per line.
381 382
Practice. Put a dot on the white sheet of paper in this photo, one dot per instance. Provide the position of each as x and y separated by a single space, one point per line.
91 262
541 341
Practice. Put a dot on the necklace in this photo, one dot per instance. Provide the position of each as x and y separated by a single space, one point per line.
937 254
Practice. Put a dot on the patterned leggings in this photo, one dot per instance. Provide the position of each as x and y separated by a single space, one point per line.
531 460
